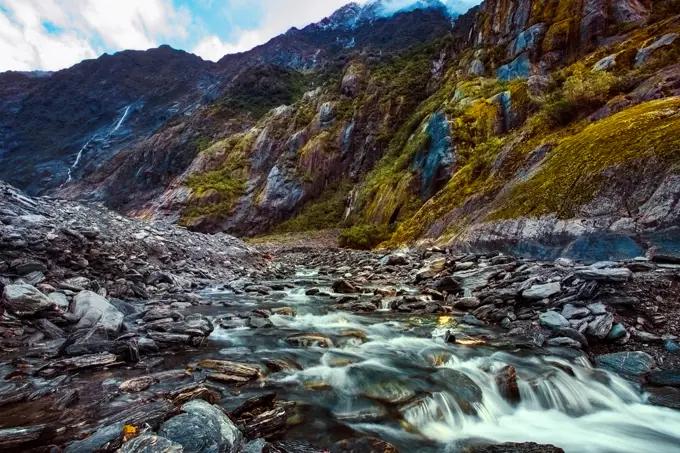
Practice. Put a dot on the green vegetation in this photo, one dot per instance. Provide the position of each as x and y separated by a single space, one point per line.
364 237
325 212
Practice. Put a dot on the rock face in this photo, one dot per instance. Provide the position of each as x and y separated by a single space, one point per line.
632 364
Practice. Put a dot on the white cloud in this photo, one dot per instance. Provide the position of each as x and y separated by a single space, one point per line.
212 48
25 44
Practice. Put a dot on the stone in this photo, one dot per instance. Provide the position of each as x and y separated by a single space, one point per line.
26 300
645 53
604 275
150 443
203 428
575 335
519 68
344 287
395 259
671 346
431 269
564 342
573 312
91 308
467 302
449 284
538 292
669 378
553 320
362 445
527 40
665 397
26 268
597 309
306 340
460 386
391 392
630 363
527 447
617 332
605 64
60 300
600 326
506 381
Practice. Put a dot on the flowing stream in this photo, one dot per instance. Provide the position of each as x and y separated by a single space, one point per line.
393 376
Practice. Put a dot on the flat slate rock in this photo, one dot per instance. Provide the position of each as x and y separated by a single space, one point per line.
665 378
526 447
634 363
665 396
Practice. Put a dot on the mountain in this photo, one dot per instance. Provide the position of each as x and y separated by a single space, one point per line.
536 126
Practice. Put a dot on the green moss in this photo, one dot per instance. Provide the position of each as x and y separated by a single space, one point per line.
364 237
325 212
572 174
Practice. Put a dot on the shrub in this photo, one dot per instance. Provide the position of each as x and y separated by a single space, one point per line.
588 89
364 237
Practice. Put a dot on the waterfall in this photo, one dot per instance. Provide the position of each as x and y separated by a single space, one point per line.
78 158
125 114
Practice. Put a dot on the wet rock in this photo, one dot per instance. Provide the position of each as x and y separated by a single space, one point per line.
538 292
50 330
12 438
26 300
506 381
392 392
279 365
669 378
634 363
527 447
192 392
665 396
471 320
230 368
467 303
137 384
671 346
28 267
344 287
597 309
574 335
600 326
265 424
305 340
78 363
259 323
553 320
461 387
102 439
363 445
564 342
604 275
150 443
92 309
66 399
202 428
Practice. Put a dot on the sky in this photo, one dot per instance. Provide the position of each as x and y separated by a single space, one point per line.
49 35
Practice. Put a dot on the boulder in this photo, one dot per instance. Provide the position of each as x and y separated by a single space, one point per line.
26 300
60 300
564 342
665 378
202 428
91 308
363 445
506 381
149 443
344 287
519 68
538 292
395 259
605 64
617 332
553 320
629 363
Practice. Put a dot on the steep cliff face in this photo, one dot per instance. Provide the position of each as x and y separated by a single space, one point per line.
536 125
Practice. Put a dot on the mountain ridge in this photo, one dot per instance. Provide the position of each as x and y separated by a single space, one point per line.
424 127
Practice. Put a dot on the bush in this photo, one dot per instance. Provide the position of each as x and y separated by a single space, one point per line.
588 89
364 237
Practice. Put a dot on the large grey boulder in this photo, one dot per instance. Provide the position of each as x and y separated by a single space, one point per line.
645 53
26 300
203 428
91 309
519 68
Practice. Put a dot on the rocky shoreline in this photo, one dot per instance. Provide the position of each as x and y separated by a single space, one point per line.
93 304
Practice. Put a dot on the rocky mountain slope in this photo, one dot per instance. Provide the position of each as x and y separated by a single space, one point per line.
541 127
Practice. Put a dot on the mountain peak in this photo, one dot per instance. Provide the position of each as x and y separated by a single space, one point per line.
354 14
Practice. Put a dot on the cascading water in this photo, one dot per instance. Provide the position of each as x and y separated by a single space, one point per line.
393 376
79 156
120 122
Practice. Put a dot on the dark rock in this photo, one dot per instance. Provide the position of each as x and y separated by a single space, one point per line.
306 340
600 326
25 300
363 445
150 443
202 428
604 275
12 438
449 284
506 381
462 388
344 287
574 335
665 396
665 378
93 309
632 364
527 447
